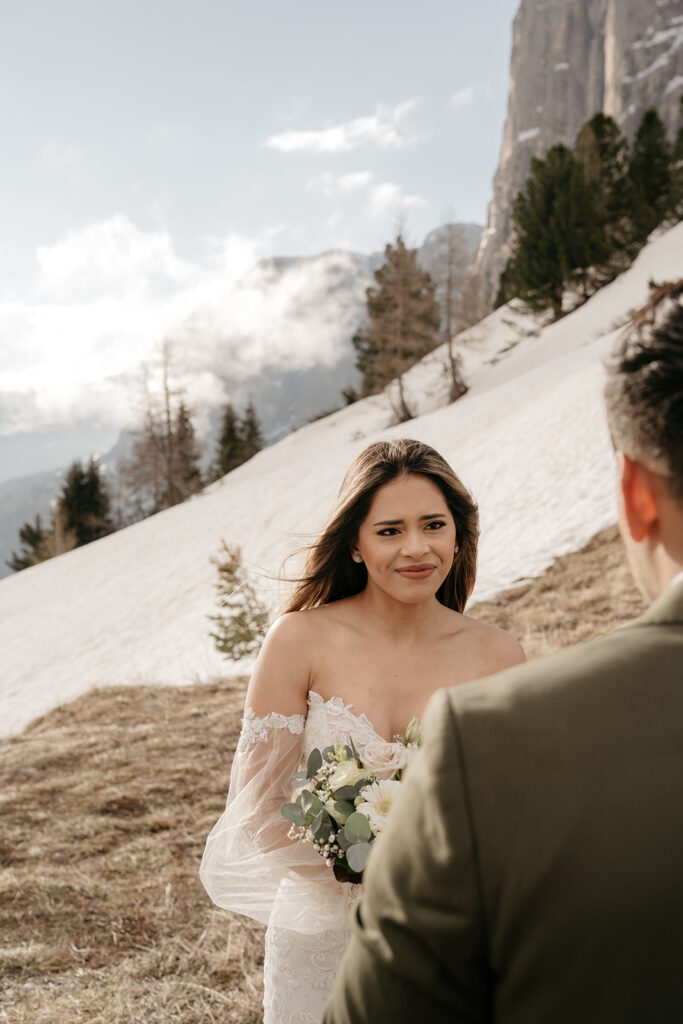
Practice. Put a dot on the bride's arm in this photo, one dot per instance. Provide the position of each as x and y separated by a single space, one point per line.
249 852
281 677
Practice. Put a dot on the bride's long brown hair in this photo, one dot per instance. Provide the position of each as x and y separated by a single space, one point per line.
329 571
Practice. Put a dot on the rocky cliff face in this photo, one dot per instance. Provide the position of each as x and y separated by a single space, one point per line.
571 59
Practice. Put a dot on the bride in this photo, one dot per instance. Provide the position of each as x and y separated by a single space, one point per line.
374 627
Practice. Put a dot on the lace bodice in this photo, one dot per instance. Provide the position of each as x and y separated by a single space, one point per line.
332 721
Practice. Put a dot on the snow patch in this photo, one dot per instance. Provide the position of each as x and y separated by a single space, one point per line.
562 66
675 83
657 38
531 133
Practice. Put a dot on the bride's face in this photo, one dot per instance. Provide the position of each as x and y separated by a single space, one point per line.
407 540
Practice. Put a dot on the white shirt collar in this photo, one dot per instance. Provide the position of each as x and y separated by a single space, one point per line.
677 579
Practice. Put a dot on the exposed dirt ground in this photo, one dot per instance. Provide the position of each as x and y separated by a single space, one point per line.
105 804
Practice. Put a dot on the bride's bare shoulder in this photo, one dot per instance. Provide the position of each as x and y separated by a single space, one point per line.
294 636
497 649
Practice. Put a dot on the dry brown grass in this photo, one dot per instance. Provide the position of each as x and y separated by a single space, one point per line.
582 595
105 804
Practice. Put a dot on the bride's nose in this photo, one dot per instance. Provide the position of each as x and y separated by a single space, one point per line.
414 544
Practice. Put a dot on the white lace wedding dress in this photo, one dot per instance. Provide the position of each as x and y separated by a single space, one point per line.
252 867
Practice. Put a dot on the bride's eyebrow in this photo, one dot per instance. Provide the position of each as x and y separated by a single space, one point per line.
397 522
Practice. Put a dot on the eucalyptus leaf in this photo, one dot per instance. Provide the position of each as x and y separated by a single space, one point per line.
326 753
316 803
315 761
344 807
345 793
294 813
357 828
357 856
322 827
306 799
342 840
316 823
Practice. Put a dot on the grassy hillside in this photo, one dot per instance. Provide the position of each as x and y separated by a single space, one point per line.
106 803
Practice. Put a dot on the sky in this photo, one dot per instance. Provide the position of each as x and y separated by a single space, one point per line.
153 151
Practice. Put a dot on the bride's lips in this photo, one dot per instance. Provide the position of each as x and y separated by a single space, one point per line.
417 572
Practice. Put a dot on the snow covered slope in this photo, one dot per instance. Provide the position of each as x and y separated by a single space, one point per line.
529 439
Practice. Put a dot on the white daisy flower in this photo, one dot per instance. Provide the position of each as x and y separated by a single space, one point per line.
375 802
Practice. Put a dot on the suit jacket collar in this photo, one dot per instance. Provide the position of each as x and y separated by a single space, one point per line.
667 608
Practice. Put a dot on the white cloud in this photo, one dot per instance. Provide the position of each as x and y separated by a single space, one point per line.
113 256
112 292
330 184
463 98
383 129
467 96
387 200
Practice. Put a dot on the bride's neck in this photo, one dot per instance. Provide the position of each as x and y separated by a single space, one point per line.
395 619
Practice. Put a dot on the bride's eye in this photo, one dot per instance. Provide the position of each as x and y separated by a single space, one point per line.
388 531
438 523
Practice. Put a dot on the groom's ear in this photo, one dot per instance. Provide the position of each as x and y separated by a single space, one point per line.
638 488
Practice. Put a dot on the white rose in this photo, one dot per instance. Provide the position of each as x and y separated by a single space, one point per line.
347 773
384 759
336 815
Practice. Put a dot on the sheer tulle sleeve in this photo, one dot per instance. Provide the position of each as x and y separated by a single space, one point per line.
250 864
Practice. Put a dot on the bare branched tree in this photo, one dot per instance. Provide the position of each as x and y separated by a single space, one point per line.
163 467
448 263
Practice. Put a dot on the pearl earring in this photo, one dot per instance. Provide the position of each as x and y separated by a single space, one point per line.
357 558
457 548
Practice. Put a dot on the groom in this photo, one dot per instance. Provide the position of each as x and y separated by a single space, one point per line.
532 870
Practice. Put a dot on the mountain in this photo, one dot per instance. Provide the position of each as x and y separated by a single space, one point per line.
529 438
571 59
281 337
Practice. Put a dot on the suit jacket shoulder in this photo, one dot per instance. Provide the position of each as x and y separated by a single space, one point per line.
573 773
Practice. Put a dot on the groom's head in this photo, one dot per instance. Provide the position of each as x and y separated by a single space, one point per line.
644 399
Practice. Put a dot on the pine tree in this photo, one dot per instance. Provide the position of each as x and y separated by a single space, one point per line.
84 503
250 430
60 538
403 323
187 475
242 618
650 172
602 151
32 537
558 233
676 205
229 449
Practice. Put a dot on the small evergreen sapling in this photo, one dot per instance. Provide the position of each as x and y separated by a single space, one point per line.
242 620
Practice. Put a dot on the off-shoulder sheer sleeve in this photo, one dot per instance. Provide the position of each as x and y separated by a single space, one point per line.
250 864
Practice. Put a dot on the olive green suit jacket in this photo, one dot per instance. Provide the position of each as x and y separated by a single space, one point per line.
532 869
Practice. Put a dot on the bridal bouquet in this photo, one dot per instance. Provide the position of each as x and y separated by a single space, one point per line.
346 799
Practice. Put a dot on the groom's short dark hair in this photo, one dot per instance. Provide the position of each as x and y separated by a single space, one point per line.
644 391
